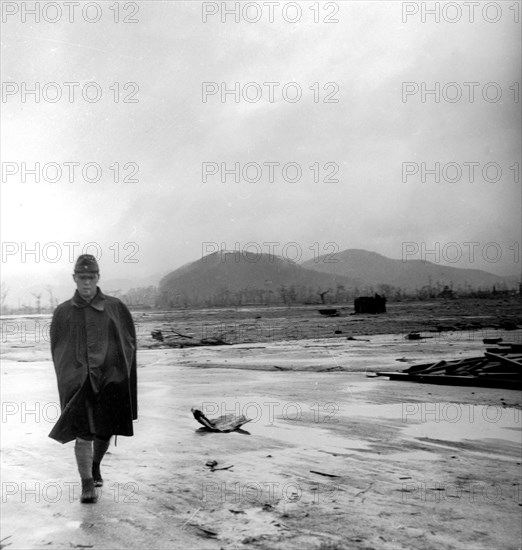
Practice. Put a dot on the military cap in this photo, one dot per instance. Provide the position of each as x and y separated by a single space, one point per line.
86 263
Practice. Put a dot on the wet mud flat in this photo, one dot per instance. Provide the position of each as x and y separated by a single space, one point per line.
330 460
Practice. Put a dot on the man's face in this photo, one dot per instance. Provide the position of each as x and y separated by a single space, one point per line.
86 284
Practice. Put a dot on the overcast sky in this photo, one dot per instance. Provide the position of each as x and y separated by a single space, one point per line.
164 219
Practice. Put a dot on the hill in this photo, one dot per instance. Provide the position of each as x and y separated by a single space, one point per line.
226 278
369 269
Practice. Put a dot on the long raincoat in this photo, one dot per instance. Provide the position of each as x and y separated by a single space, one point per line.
93 347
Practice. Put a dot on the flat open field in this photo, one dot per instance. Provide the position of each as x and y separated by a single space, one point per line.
330 460
264 324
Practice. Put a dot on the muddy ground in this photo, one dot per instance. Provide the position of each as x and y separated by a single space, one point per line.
268 324
330 460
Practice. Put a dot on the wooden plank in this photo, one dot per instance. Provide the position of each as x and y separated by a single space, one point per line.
425 368
503 359
488 382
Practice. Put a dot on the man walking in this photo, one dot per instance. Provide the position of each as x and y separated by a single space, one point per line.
93 345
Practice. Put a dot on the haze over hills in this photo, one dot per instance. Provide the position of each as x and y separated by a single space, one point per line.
228 277
371 269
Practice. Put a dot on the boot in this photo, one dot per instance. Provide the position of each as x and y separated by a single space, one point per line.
89 495
96 474
100 448
83 452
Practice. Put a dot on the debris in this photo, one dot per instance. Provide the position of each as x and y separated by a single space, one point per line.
173 341
180 335
211 463
508 325
157 335
492 340
224 423
499 368
416 336
330 312
323 473
213 341
203 532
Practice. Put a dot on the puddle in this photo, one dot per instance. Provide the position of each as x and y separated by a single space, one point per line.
404 457
290 422
73 524
459 422
300 435
392 411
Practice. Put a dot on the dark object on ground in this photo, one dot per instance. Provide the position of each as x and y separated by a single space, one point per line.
204 532
416 336
331 312
508 325
213 341
498 368
157 335
225 423
323 473
492 340
447 293
446 328
213 463
367 304
173 340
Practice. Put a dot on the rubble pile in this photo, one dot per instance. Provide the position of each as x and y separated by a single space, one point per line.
499 367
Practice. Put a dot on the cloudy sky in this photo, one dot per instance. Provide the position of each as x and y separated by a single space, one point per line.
363 134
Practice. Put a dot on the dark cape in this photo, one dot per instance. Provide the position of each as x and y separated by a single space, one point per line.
93 346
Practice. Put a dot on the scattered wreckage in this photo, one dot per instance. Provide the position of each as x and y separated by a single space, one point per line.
499 367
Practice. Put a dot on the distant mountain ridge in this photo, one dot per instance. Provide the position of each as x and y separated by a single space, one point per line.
234 277
371 269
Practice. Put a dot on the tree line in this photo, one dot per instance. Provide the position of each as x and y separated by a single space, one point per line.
153 297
